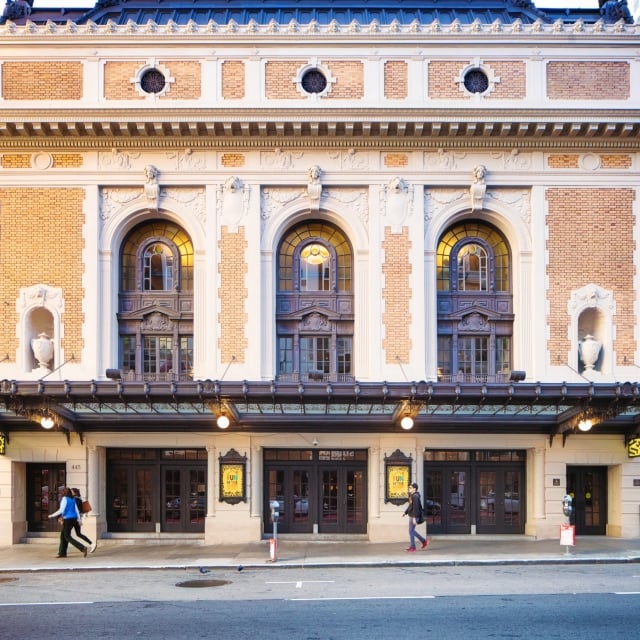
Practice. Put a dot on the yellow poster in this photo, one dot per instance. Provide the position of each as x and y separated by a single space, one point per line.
232 480
633 448
397 481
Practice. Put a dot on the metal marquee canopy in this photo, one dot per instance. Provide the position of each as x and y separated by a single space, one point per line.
514 407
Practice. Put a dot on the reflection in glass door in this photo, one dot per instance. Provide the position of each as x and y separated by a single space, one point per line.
317 490
447 500
290 489
499 503
342 500
184 499
45 483
588 488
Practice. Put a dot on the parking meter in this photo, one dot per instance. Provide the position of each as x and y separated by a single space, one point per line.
275 511
273 542
567 502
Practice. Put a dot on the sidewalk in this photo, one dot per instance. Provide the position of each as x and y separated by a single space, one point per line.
447 551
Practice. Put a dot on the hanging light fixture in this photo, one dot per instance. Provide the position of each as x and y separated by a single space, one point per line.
585 424
315 254
223 421
407 423
47 422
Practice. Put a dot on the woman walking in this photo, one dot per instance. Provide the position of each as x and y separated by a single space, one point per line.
77 528
70 516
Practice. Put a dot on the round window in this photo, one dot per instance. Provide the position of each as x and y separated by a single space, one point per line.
313 81
152 81
476 81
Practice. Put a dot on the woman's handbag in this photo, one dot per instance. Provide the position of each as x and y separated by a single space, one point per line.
86 506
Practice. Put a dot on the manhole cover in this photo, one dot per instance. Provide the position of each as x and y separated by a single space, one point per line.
199 584
7 579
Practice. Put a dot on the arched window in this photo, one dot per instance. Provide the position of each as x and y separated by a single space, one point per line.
475 318
316 249
314 317
473 244
157 268
315 268
155 317
156 256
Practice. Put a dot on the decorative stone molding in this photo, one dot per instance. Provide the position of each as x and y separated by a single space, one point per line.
478 187
153 64
234 203
314 187
398 202
151 185
114 200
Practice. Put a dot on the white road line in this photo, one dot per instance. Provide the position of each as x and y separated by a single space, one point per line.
299 583
365 598
37 604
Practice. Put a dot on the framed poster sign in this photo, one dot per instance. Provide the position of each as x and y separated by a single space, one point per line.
233 484
397 477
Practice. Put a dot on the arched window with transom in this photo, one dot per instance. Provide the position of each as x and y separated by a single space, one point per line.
155 314
314 304
475 304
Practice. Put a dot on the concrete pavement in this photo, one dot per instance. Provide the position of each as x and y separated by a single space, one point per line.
152 553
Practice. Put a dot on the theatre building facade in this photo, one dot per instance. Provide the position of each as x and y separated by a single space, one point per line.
294 256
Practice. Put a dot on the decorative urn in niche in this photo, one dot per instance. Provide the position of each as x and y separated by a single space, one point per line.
589 351
42 347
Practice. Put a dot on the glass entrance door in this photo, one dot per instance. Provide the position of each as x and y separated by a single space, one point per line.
184 499
499 501
342 500
45 483
317 490
447 500
588 488
290 488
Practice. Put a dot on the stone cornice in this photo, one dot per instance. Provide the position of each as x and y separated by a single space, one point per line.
394 128
257 33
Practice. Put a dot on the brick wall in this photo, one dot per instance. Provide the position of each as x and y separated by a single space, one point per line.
348 75
233 79
232 295
396 294
395 160
588 80
443 73
396 80
233 160
279 77
186 74
349 84
590 240
41 240
49 80
117 80
563 161
24 160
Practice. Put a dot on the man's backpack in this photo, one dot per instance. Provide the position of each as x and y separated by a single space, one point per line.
419 516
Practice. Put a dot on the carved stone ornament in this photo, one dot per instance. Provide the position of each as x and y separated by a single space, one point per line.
315 322
42 348
234 203
157 322
474 322
314 187
478 187
398 197
151 186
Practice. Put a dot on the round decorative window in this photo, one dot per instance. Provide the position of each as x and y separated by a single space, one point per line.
152 81
476 81
313 81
